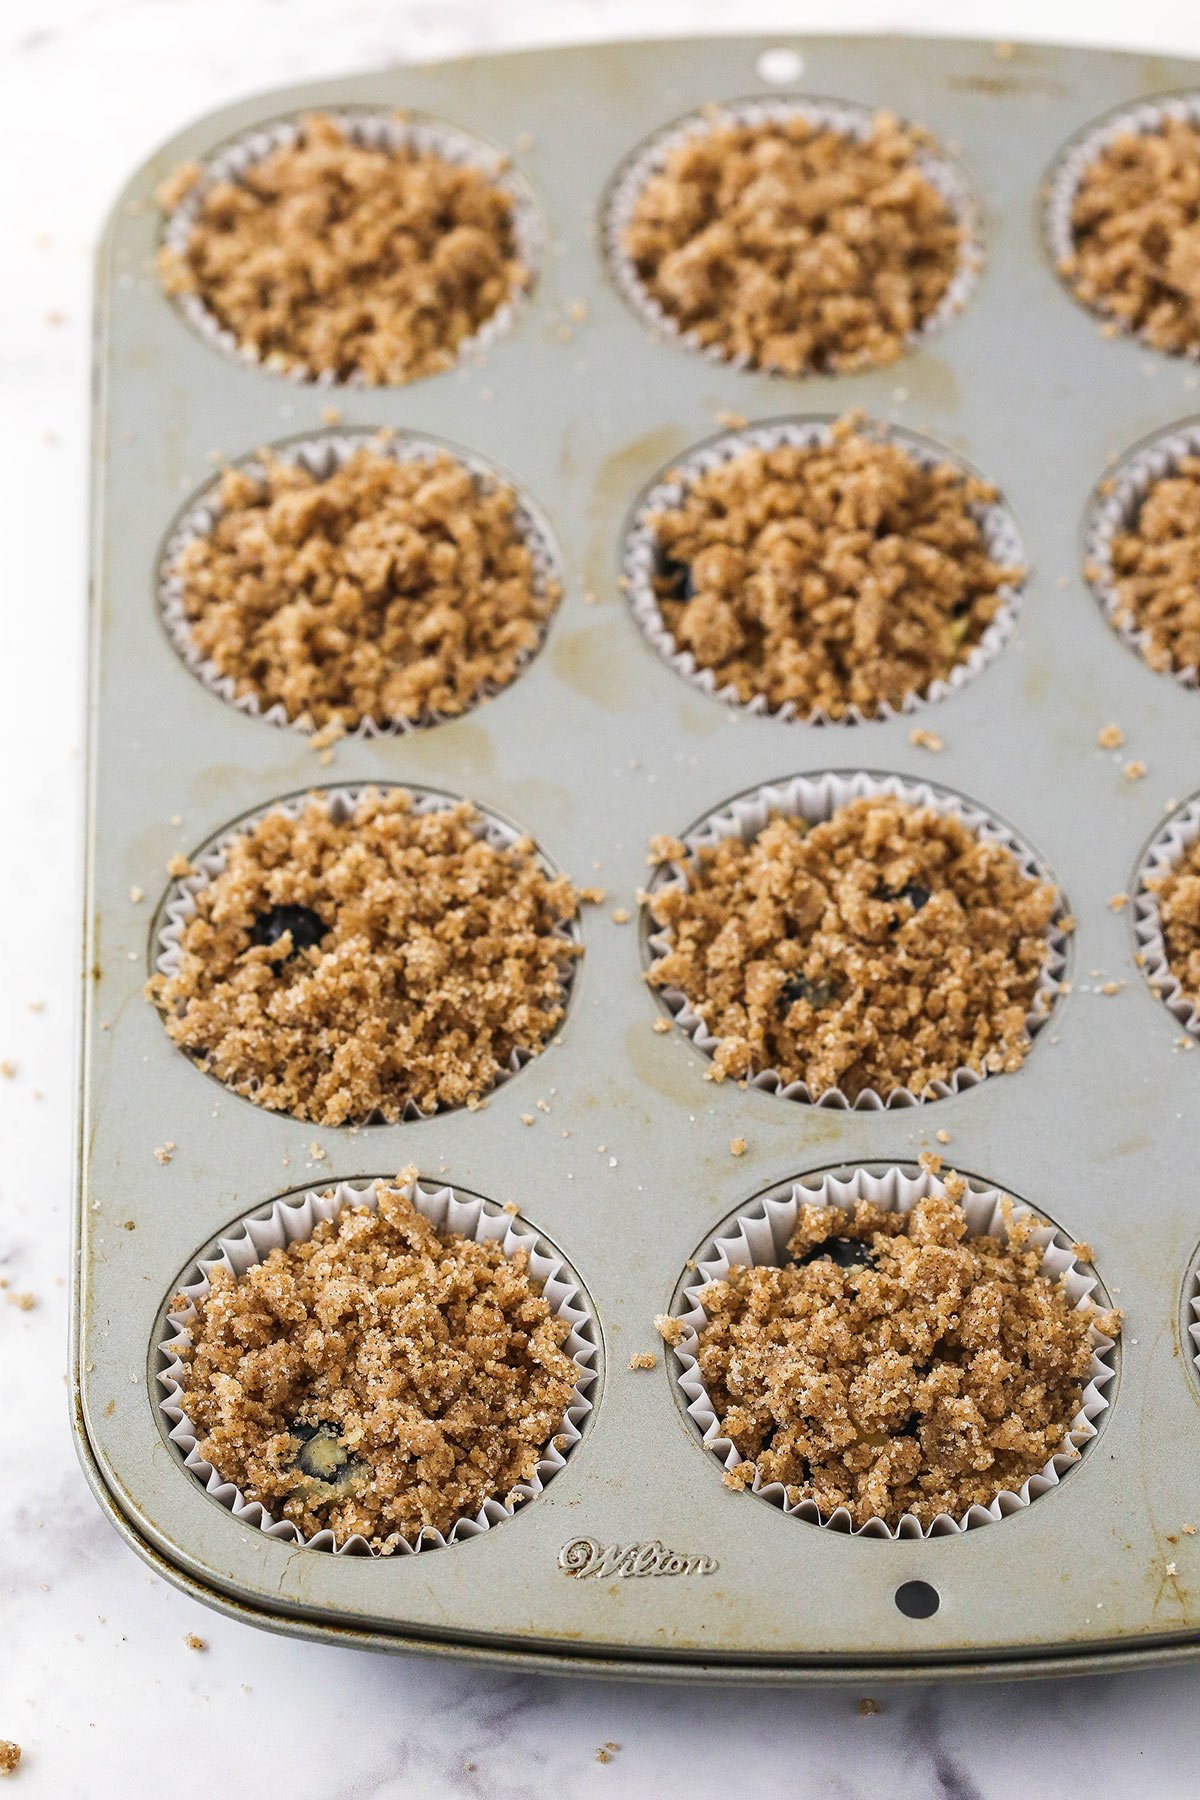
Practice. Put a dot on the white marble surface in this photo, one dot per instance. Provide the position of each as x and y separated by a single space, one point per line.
96 1681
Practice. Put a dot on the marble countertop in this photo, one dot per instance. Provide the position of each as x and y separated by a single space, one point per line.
97 1681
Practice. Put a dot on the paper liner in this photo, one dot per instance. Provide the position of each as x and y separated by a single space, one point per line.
760 1235
1177 835
1193 1314
321 455
641 563
941 171
292 1220
1116 510
1067 173
815 798
375 130
179 904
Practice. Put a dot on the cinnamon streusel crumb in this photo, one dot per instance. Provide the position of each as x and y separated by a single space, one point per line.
796 246
343 966
331 257
10 1756
1135 227
1178 892
378 1377
923 1379
842 574
886 947
389 590
1156 568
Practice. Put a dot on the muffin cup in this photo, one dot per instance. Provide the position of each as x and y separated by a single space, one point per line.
322 456
815 798
941 171
641 563
293 1220
1068 171
760 1234
374 130
179 904
1116 511
1177 835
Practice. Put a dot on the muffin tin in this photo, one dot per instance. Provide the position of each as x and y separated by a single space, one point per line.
636 1558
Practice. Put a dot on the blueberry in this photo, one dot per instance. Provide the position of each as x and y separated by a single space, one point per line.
799 987
915 892
303 923
847 1253
678 577
322 1457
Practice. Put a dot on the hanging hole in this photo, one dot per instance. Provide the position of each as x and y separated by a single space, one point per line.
780 66
917 1600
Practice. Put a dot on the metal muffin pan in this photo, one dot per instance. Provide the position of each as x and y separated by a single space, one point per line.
636 1558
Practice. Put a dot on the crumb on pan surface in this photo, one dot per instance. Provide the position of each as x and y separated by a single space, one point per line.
1156 568
333 257
336 969
388 590
829 576
1178 893
379 1377
884 948
924 1375
1135 231
794 245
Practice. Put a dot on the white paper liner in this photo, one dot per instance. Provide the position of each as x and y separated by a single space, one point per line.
760 1235
292 1220
1116 510
1177 835
641 563
376 130
1146 117
321 455
179 903
1193 1313
941 171
815 798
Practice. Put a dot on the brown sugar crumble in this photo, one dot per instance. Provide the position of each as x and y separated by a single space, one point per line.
195 1643
643 1359
836 575
379 1377
886 947
1110 737
1135 227
925 1378
389 590
340 967
796 246
332 257
10 1756
1156 565
1178 892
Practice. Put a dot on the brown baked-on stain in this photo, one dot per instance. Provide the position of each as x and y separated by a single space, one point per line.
884 948
379 1377
1156 565
794 245
1135 230
895 1365
337 258
392 589
1178 893
828 576
337 969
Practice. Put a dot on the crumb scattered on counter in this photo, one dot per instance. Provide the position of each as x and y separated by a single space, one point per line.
737 1146
643 1359
10 1756
1134 770
195 1643
922 739
1110 737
